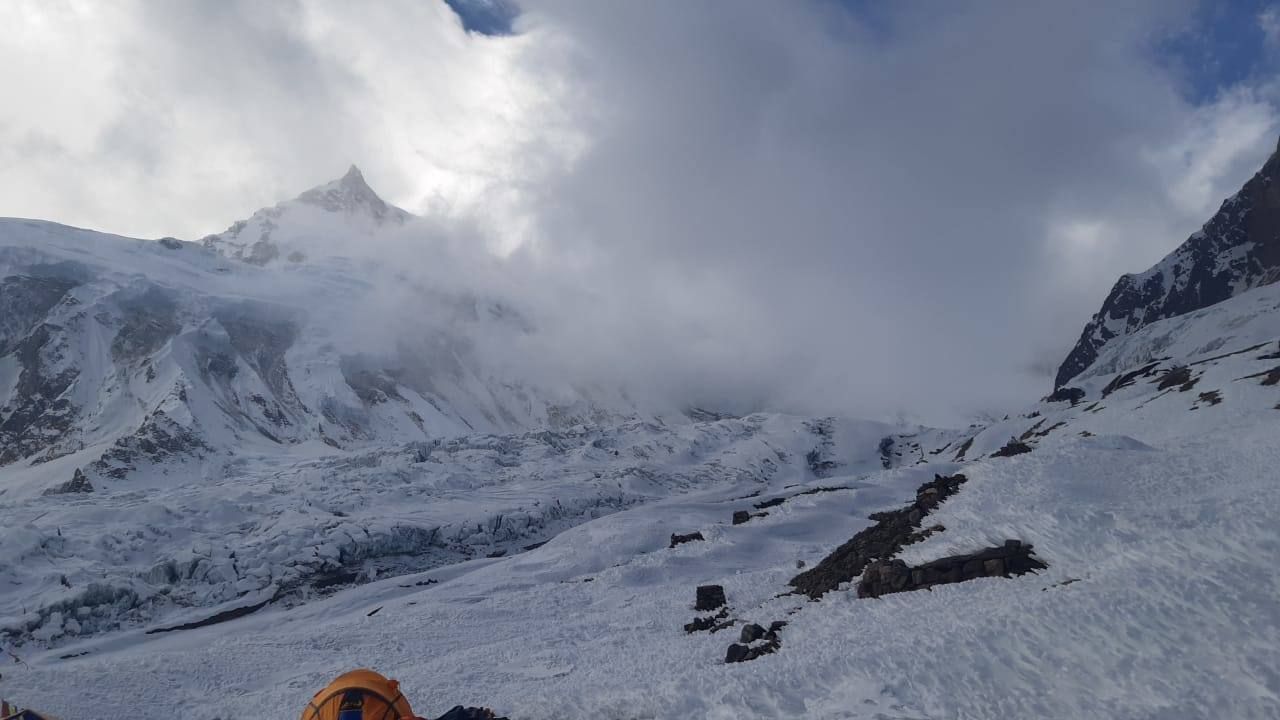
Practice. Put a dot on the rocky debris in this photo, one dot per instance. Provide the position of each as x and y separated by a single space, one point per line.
1031 431
1237 250
710 597
1270 356
892 531
1269 377
714 623
1124 380
77 484
1011 448
755 642
1045 432
743 516
964 449
470 713
751 633
891 576
1213 397
1179 376
1066 394
677 539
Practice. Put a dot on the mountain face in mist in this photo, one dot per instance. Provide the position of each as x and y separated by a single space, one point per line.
346 210
1237 250
120 356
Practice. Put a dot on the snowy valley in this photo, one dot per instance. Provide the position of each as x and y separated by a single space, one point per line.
208 482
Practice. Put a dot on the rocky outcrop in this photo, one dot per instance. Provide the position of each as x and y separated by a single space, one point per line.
76 485
891 532
892 576
678 539
1237 250
710 597
1011 448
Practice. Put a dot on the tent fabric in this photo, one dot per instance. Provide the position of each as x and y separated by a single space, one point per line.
359 695
10 712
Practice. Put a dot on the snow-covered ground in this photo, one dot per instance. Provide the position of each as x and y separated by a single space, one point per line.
1152 510
1176 612
509 546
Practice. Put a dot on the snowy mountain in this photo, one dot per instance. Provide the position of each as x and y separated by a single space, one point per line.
123 360
324 219
552 553
1238 249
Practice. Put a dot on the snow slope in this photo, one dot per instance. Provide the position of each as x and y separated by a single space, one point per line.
270 508
128 359
1150 506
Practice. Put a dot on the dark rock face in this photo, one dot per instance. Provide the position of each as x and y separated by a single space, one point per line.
677 539
371 385
1011 448
1237 250
741 516
891 532
150 320
1066 394
262 335
710 597
25 301
158 439
39 413
77 484
890 576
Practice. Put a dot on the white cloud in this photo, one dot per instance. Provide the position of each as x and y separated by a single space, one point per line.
1269 21
783 204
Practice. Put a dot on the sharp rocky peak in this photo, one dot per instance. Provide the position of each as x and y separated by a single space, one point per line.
1237 250
351 194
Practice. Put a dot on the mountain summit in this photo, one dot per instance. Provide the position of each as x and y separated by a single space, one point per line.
351 195
1237 250
322 220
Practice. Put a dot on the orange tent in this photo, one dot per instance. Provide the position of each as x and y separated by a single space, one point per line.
359 695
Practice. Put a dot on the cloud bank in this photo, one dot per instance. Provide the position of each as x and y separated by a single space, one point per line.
814 206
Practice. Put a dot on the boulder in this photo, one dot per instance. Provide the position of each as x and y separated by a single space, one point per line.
710 597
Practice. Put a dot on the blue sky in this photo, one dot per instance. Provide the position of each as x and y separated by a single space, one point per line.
1224 46
486 17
